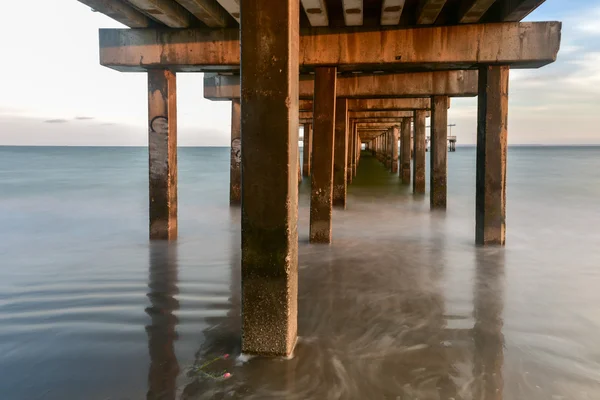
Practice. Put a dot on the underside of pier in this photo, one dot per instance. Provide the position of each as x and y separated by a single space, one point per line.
353 73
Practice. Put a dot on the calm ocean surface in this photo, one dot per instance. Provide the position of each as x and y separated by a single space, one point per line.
401 306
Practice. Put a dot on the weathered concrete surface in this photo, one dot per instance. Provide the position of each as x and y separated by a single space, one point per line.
405 151
394 138
492 123
235 169
307 149
162 147
406 85
323 139
520 45
420 141
439 152
340 161
120 11
269 184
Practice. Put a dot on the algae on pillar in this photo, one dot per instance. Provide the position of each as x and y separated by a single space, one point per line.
340 153
323 149
269 185
235 169
492 124
420 140
439 152
405 152
162 147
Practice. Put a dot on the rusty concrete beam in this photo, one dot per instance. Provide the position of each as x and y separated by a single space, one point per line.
405 104
429 10
232 7
316 12
519 45
367 114
391 10
471 11
119 11
207 11
373 122
417 84
168 12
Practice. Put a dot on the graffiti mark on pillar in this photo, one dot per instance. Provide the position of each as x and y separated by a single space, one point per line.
160 125
236 151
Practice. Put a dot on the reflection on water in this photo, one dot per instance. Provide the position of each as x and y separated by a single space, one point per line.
164 368
401 306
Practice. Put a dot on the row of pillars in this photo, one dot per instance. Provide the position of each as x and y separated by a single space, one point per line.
330 158
385 148
267 150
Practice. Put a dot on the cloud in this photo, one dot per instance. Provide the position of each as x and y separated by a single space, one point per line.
56 121
83 118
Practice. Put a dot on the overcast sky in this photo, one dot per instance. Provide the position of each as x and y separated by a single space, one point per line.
54 92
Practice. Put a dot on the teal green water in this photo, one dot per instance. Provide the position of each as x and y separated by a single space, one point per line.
401 306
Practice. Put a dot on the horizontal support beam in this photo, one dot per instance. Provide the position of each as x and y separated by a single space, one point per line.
367 114
422 103
519 45
415 84
374 122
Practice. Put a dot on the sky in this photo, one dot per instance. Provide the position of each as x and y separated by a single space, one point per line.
54 92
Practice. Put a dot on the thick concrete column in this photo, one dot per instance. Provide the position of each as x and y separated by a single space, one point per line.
235 169
269 186
349 161
405 151
307 149
492 123
162 147
394 132
420 139
323 150
340 162
439 151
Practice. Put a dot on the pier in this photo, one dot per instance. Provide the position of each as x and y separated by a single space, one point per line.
353 73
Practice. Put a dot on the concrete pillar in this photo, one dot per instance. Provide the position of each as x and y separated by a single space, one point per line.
394 137
323 149
405 152
299 165
492 122
270 76
439 151
235 169
340 161
388 152
307 149
420 148
350 162
162 147
356 149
